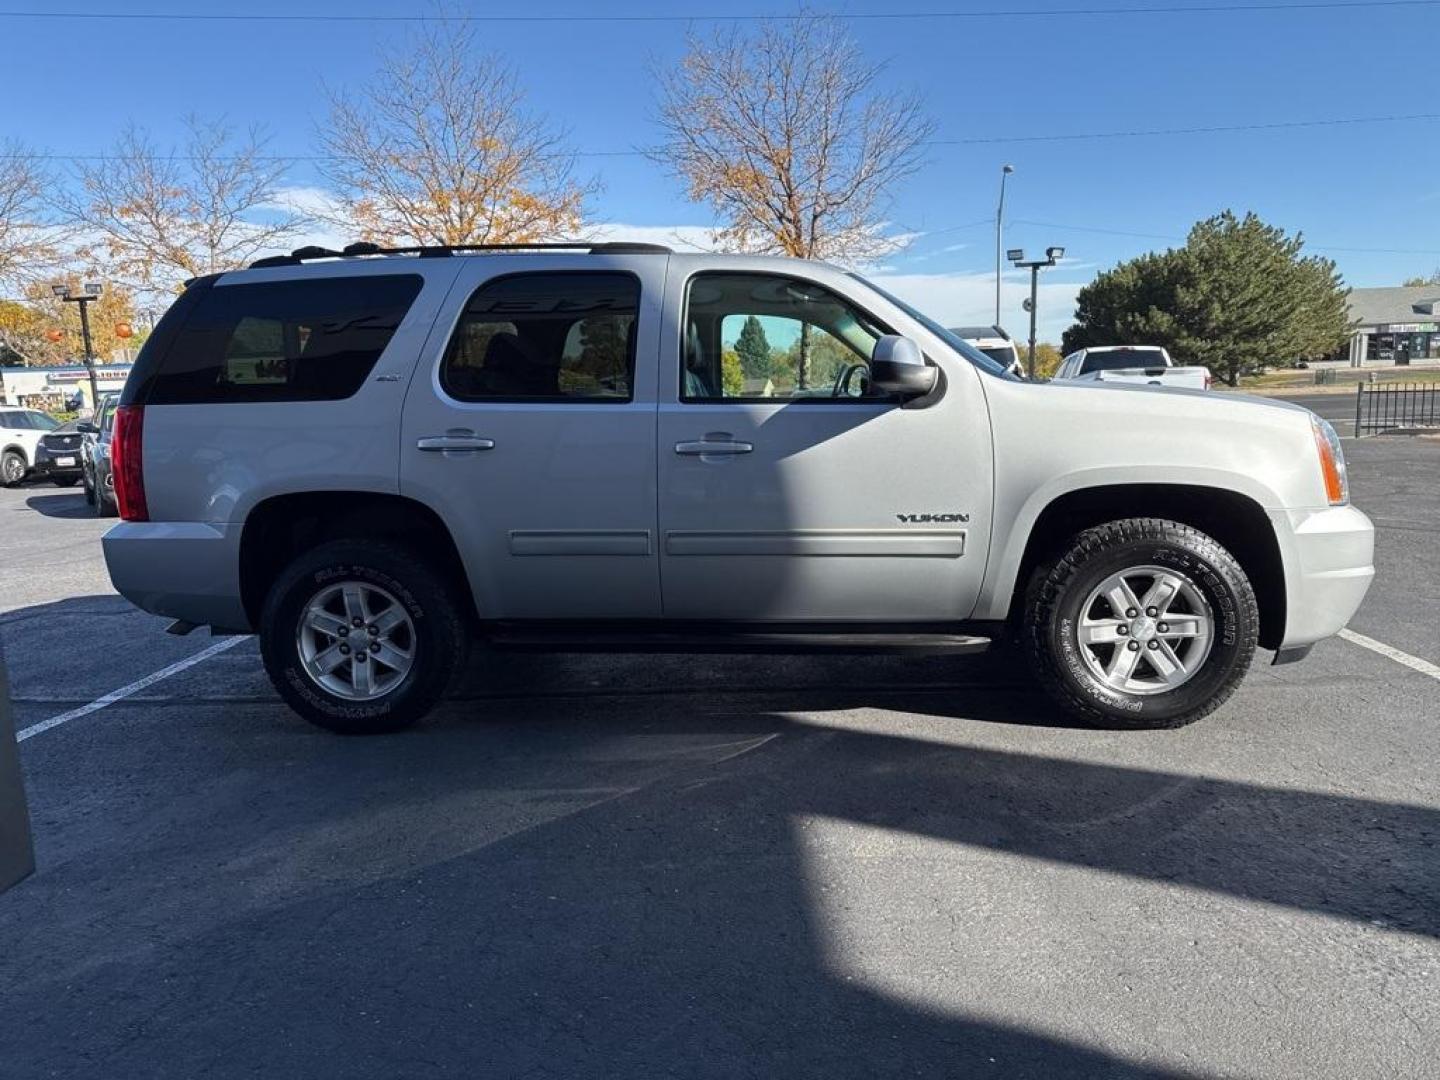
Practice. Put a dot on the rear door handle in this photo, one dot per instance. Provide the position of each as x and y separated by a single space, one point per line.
708 447
437 443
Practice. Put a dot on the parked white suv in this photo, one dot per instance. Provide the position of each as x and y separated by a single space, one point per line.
20 433
373 458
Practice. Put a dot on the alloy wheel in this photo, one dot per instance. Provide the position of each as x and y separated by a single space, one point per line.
356 640
1145 630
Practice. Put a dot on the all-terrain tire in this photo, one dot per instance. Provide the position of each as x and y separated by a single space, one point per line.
1059 591
438 637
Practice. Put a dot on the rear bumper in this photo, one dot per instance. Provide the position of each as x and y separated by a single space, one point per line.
45 469
184 570
1329 565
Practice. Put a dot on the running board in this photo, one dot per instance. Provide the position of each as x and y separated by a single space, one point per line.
736 642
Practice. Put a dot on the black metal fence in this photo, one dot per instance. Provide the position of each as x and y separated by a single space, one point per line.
1388 406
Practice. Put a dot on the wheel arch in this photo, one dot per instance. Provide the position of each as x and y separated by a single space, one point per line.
1235 520
280 527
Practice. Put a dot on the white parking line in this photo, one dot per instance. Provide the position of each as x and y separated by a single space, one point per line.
125 691
1389 651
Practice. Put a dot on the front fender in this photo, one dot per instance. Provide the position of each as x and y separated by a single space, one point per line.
1014 525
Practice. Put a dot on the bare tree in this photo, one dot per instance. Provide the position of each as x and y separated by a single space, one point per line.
154 218
437 148
28 244
786 133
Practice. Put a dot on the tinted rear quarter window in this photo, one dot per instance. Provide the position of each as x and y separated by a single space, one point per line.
311 339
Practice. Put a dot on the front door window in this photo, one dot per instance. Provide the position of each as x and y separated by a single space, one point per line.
770 337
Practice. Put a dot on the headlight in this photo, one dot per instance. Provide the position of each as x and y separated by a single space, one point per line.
1332 461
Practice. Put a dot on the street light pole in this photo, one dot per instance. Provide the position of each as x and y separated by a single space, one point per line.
1017 256
1034 291
999 217
84 298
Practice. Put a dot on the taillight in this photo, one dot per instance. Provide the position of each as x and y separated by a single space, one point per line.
127 462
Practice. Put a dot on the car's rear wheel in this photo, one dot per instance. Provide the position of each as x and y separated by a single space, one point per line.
105 504
12 468
1141 623
361 636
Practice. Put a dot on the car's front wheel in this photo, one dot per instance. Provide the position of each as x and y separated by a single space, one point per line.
361 636
1141 623
12 468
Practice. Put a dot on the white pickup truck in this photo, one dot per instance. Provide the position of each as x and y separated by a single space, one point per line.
1149 365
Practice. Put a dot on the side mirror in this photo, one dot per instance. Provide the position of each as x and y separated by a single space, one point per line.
85 427
898 367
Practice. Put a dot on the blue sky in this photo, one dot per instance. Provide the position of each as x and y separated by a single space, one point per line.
69 84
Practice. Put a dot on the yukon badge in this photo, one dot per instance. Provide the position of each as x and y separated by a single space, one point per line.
933 519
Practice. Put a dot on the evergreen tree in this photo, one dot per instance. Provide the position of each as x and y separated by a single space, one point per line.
753 349
1239 296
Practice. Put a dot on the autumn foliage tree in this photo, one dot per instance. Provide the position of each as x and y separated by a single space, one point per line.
42 330
437 148
785 131
154 217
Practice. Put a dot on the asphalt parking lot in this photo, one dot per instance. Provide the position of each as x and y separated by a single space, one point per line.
721 866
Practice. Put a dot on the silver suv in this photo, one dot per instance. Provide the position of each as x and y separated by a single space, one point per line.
372 457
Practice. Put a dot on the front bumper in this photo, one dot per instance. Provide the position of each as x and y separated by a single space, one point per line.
1329 565
186 570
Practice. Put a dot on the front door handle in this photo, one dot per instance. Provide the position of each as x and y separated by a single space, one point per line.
437 443
710 445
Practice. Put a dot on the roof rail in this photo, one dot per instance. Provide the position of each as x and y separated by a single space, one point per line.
429 251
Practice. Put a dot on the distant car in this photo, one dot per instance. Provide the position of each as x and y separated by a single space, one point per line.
994 343
95 458
20 434
1149 365
57 457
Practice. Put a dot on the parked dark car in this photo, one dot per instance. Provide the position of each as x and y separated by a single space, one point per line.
95 458
57 456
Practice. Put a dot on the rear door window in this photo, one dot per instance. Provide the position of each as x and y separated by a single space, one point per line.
302 340
561 336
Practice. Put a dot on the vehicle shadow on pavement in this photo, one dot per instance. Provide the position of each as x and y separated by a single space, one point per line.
71 504
543 894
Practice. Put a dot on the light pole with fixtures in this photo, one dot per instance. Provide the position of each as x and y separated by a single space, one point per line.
1017 256
999 214
87 294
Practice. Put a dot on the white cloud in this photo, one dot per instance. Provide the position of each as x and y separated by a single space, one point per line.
968 299
679 237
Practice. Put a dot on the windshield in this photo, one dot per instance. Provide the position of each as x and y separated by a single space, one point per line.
40 422
1116 359
961 346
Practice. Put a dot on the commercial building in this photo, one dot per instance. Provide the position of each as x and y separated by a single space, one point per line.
1396 326
54 388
